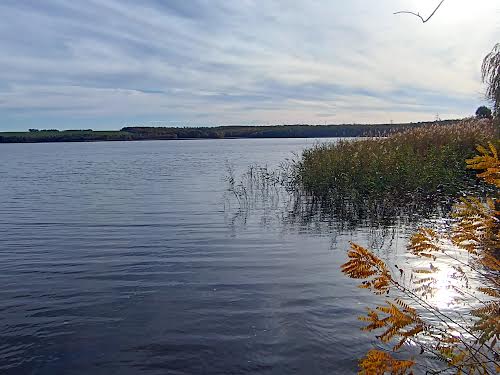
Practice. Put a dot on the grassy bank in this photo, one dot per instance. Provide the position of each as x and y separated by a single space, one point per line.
421 162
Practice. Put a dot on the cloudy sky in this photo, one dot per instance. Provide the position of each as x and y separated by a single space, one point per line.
103 64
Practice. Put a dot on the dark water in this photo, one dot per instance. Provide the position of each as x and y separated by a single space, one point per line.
126 258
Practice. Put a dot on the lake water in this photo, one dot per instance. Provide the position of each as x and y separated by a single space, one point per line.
131 258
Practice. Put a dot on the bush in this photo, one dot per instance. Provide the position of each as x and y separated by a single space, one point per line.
484 112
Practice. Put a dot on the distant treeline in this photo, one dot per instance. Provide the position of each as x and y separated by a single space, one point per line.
135 133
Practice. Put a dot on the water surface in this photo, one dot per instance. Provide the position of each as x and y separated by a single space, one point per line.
129 258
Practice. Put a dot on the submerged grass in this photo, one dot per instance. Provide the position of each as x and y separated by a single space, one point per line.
419 163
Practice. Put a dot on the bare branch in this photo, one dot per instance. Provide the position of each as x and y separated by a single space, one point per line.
418 14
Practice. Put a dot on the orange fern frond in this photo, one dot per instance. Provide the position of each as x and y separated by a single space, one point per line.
488 162
423 270
424 243
477 225
489 321
377 362
363 264
490 261
401 322
495 293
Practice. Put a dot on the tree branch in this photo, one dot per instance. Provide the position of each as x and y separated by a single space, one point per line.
418 14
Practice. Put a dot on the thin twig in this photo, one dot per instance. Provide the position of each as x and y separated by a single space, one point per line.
418 14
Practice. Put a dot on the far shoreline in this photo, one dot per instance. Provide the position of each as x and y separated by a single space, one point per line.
219 132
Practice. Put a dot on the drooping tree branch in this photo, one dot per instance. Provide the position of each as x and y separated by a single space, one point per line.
491 76
418 14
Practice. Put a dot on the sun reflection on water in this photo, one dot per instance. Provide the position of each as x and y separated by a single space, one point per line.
444 294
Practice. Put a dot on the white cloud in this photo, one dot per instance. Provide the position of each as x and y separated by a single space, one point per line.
241 62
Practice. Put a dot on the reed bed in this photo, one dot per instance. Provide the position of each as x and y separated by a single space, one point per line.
419 163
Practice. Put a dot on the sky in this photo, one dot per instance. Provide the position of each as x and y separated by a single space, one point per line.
105 64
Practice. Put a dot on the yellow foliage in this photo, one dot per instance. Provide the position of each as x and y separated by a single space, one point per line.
377 362
403 322
488 162
424 243
363 264
490 291
476 230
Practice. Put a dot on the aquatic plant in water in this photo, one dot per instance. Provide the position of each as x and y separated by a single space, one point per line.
405 176
424 163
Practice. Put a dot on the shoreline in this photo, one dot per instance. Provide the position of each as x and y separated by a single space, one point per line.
220 132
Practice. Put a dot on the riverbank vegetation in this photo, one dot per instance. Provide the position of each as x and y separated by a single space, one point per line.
405 177
165 133
424 162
